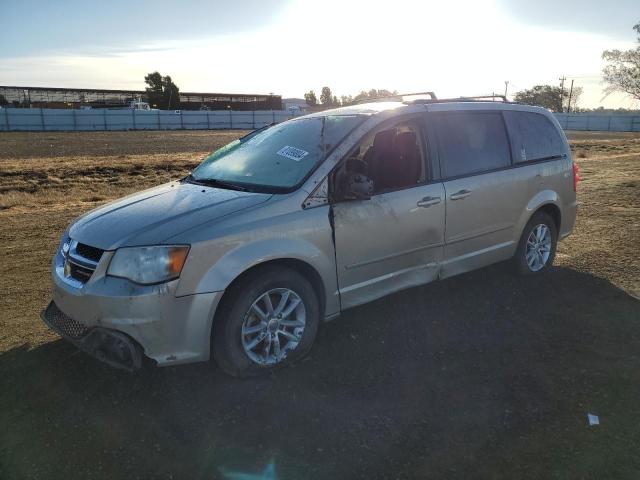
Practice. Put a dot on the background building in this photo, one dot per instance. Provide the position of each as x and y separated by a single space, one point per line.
295 104
49 97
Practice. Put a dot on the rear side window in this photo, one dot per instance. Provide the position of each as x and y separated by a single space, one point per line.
533 135
471 142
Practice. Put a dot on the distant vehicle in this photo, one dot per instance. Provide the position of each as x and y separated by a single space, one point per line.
296 222
139 105
134 105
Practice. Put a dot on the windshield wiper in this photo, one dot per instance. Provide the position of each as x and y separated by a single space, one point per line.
214 182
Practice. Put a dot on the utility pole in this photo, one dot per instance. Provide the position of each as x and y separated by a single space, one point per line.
506 87
562 79
570 93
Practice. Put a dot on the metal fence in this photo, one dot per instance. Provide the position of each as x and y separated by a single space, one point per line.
600 122
46 119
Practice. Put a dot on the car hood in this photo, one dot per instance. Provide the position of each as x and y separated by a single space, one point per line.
151 216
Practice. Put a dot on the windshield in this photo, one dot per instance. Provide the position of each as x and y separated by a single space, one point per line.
277 157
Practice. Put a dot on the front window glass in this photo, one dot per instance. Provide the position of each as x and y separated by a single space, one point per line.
390 157
280 156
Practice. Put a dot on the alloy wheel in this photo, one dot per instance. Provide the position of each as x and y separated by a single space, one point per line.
273 326
538 247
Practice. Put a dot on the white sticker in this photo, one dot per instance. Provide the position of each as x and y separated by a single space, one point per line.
293 153
523 154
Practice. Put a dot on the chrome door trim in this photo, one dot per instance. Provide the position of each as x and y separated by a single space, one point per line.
478 234
479 252
393 255
388 276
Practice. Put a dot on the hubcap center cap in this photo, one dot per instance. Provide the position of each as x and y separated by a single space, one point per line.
272 326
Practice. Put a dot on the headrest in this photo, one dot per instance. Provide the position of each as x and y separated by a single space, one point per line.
384 138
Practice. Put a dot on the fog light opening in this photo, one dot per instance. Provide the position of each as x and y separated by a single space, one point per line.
118 350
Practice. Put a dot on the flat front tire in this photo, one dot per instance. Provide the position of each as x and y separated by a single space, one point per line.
537 248
267 319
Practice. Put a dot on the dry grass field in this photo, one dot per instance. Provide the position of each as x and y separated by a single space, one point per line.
497 387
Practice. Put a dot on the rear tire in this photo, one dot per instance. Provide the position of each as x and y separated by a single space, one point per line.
266 320
537 247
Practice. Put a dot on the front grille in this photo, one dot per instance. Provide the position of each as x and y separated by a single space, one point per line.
81 261
62 323
80 273
87 251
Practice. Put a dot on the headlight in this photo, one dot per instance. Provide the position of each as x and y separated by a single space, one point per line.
148 265
65 243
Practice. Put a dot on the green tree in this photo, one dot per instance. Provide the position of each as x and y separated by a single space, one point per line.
373 94
335 101
326 98
546 96
171 94
361 96
154 90
162 93
622 72
310 98
346 99
3 100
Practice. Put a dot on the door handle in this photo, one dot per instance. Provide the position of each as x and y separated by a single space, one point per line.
427 202
460 195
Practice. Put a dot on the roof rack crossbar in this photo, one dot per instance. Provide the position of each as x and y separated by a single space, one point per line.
473 98
397 97
431 94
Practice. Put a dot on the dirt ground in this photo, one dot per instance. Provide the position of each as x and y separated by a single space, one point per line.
485 375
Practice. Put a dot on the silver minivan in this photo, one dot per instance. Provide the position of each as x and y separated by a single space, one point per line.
296 222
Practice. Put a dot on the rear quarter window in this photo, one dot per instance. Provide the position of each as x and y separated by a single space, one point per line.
534 136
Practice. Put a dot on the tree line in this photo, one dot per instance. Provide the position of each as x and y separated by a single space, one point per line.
328 99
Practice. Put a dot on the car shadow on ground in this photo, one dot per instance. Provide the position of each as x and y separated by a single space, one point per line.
485 375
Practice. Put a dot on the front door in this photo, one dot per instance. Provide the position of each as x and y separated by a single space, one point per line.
394 239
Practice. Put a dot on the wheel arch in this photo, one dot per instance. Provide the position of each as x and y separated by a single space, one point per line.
546 201
300 266
553 211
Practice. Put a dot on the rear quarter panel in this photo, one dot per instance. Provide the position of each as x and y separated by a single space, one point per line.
552 183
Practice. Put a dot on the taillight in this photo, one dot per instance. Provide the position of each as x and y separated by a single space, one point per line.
576 176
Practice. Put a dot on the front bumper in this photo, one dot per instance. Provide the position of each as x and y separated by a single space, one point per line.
168 329
109 346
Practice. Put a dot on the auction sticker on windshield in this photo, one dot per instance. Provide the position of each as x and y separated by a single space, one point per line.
293 153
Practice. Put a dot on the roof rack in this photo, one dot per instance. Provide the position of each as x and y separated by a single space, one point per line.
474 98
434 99
397 97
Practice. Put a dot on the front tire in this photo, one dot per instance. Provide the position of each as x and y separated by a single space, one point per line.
267 319
537 248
